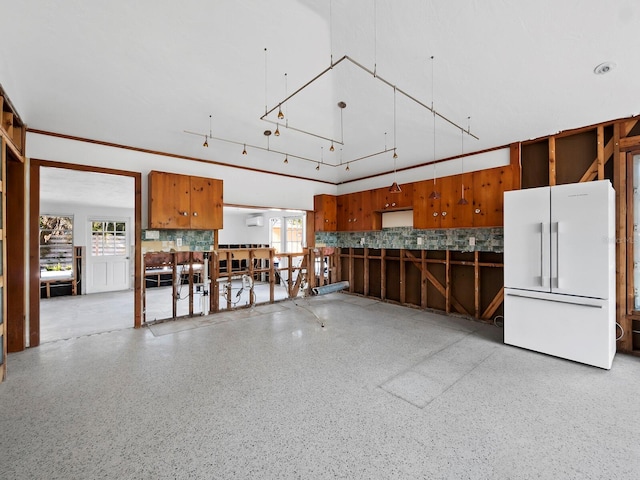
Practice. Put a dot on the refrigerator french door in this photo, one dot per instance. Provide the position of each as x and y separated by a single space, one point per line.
559 271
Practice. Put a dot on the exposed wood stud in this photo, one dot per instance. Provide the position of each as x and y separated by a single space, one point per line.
403 283
601 157
493 306
383 275
476 283
447 295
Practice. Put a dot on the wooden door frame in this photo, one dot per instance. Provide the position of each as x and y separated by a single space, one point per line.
34 240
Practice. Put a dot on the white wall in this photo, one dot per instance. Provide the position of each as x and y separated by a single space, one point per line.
241 187
480 161
235 231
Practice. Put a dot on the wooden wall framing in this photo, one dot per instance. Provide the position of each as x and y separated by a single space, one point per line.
560 158
465 283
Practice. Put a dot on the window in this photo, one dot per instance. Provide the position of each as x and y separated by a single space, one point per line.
108 239
56 242
287 233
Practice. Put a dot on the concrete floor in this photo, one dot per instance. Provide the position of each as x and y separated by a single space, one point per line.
65 317
380 392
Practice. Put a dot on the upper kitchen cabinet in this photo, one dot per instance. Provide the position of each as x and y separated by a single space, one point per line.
488 189
184 202
384 200
325 213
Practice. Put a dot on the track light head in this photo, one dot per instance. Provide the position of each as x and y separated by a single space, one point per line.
206 143
286 159
280 114
331 148
244 149
318 166
277 132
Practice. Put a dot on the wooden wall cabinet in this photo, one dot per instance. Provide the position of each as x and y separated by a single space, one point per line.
387 201
483 190
356 212
184 202
325 213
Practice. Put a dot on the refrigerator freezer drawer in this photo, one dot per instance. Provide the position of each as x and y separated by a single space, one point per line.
578 329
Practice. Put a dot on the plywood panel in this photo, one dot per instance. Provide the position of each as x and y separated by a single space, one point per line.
426 210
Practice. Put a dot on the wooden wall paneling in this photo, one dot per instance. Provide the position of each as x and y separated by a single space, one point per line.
449 195
342 212
169 200
325 213
552 160
15 244
488 188
515 152
206 202
310 234
426 210
34 253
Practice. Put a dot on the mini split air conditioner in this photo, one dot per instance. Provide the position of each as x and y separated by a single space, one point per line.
255 221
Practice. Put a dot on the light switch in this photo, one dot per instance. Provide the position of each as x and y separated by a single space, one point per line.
419 240
472 241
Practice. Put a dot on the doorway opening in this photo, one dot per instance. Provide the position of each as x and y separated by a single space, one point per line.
87 278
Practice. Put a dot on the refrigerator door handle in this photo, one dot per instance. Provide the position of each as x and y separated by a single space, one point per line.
542 254
557 254
578 303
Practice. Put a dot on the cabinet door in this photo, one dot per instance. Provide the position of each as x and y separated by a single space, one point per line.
426 211
325 213
488 189
206 203
342 212
169 204
369 218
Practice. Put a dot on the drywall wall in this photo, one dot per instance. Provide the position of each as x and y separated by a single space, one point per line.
241 187
470 163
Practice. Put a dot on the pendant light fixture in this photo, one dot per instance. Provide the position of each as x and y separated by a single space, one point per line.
244 149
435 195
206 139
394 188
280 114
331 148
463 201
286 159
277 132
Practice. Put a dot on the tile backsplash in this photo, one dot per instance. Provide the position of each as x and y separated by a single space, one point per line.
459 239
167 240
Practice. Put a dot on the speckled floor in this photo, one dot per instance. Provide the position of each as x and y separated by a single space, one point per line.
379 392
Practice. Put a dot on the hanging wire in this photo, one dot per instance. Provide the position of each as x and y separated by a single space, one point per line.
331 30
375 38
435 194
266 107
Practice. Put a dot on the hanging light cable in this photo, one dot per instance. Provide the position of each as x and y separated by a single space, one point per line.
394 188
434 194
462 201
206 139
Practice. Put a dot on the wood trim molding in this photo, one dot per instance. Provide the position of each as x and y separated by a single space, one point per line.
170 155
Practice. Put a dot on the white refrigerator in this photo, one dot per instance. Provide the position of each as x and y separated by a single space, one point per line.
559 271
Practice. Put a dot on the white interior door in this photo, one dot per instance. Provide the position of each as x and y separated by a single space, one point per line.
108 256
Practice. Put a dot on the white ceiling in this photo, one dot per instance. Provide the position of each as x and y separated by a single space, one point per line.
141 73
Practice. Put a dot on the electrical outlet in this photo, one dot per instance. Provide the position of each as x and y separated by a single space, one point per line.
472 241
178 242
362 241
419 240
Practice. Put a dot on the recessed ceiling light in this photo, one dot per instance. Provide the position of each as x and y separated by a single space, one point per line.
603 68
